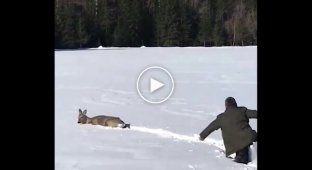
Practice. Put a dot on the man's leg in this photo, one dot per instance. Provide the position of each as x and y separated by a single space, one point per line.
242 156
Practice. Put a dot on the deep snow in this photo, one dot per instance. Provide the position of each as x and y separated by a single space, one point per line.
162 136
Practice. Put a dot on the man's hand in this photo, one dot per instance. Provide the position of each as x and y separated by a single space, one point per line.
198 137
201 139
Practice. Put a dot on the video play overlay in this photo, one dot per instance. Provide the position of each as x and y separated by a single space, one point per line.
155 84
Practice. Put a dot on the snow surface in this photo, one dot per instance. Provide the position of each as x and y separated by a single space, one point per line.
162 136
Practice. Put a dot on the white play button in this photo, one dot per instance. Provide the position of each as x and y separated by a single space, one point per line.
155 85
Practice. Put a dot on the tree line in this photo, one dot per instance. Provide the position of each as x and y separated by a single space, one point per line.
133 23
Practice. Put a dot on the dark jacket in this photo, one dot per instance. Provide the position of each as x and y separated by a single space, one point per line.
236 131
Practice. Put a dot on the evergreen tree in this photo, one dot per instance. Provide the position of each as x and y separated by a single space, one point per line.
167 23
59 26
129 26
90 23
82 35
69 39
136 23
185 25
219 32
124 29
107 13
148 25
206 23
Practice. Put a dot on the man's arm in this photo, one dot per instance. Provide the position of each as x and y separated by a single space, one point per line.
251 114
214 125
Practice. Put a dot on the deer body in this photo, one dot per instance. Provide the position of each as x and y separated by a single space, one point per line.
102 120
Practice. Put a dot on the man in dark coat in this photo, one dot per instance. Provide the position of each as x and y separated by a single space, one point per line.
236 131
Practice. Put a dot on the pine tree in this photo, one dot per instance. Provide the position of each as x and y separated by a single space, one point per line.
82 35
167 23
59 26
107 20
129 26
136 23
219 32
124 29
206 23
69 39
148 23
185 25
91 23
251 20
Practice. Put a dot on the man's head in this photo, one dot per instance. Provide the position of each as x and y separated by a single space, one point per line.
230 102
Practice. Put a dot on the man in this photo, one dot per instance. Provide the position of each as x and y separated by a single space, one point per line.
236 131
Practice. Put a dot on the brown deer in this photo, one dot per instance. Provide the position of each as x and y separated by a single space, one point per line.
102 120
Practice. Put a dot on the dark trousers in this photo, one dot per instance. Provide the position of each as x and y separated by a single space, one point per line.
242 156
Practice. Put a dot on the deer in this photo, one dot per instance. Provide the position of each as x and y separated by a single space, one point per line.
101 120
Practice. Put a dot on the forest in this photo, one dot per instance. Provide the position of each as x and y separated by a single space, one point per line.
154 23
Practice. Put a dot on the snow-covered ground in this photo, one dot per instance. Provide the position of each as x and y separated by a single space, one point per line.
162 136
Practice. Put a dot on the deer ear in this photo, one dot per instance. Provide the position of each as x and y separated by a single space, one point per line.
80 112
84 112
